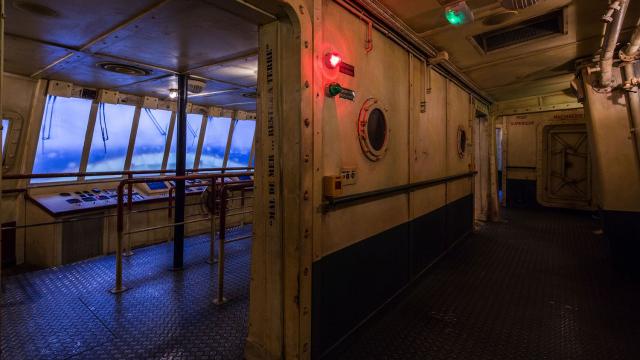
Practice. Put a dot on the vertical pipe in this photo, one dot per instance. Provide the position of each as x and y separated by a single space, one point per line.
221 238
181 159
633 99
610 43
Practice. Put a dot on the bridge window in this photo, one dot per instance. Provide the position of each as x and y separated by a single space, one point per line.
110 138
215 142
5 131
151 140
194 124
61 140
241 143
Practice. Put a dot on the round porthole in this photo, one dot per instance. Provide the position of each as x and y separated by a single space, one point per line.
462 142
373 130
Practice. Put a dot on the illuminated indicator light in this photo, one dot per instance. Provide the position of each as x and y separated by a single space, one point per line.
458 14
455 18
333 60
334 89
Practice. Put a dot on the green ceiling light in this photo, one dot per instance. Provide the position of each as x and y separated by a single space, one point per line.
458 14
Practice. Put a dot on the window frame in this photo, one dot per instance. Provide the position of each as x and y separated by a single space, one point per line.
36 135
232 128
13 138
138 103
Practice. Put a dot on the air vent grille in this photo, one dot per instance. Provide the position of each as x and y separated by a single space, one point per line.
536 28
124 69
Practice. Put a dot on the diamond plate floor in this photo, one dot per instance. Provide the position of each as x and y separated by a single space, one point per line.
537 287
68 313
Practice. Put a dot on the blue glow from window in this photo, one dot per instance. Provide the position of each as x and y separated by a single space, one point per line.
194 124
215 142
110 139
64 126
241 142
5 131
151 140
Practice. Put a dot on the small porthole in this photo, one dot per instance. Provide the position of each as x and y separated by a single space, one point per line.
373 130
462 142
377 129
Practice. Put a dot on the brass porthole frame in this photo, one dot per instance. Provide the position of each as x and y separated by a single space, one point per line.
462 147
368 149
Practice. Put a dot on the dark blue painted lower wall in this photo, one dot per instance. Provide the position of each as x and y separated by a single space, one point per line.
351 284
522 194
622 229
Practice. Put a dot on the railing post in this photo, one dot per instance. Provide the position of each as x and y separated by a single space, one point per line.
128 251
221 238
120 228
170 214
212 247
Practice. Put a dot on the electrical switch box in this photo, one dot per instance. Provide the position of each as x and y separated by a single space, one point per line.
349 176
332 186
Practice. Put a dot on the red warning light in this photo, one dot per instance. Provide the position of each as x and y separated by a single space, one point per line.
333 60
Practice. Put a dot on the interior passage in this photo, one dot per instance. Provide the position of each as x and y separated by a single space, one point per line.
538 286
68 312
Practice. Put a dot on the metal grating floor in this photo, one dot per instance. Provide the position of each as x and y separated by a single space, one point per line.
537 287
68 313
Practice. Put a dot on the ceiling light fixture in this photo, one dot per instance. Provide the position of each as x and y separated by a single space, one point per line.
173 93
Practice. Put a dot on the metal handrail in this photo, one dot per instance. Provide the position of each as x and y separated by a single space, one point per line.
213 177
122 173
333 203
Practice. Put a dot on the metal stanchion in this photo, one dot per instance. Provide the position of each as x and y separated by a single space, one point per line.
212 247
170 214
120 228
128 251
242 202
223 209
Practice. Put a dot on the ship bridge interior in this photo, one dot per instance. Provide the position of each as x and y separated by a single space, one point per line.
320 179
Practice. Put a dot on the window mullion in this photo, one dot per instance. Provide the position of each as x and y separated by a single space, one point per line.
93 115
232 128
253 147
167 146
203 129
132 137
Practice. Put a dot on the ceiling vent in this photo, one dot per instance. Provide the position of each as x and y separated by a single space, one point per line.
540 27
195 86
36 9
124 69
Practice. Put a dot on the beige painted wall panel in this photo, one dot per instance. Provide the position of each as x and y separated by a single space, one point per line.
353 224
429 131
375 72
521 141
427 200
458 113
458 189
